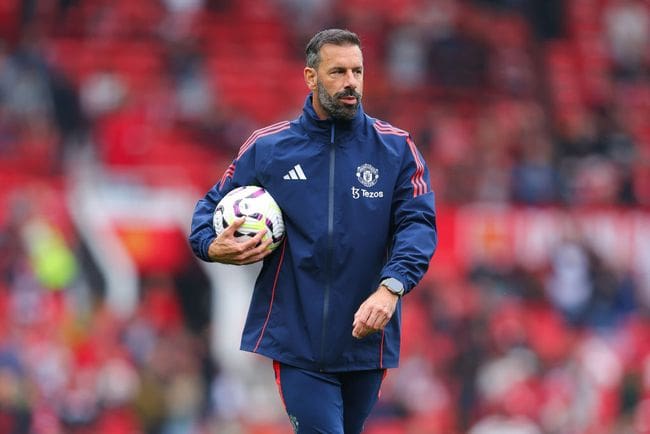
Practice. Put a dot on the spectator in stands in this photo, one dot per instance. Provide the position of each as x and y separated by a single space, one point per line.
193 91
570 285
306 16
534 176
627 28
182 16
458 63
102 92
406 57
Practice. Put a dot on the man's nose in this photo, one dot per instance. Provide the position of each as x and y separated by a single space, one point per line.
351 80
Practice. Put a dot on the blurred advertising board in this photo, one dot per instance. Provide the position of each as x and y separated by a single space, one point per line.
502 235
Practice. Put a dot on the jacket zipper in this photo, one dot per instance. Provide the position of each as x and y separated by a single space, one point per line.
330 243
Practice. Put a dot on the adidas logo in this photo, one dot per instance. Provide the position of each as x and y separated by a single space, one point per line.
295 173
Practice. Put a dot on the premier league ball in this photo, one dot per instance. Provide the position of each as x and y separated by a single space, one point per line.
260 209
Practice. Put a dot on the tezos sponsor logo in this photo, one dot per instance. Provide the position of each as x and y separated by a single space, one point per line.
362 192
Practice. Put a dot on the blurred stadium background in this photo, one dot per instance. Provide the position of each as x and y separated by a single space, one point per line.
117 115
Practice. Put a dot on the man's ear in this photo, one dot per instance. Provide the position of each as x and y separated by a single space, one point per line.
310 77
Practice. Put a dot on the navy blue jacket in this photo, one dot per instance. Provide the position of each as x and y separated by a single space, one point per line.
358 209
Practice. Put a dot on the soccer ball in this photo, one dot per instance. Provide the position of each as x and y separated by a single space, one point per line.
259 208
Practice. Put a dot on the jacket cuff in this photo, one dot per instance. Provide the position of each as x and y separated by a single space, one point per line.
205 245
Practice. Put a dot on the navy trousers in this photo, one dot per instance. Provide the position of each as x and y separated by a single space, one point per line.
327 403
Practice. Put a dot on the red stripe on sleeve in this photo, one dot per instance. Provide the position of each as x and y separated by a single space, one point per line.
419 185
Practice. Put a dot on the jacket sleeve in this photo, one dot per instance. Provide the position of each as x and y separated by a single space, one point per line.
414 228
242 171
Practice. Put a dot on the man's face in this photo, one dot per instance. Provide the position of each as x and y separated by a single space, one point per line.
337 83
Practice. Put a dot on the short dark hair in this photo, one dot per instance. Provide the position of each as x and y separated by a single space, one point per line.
329 36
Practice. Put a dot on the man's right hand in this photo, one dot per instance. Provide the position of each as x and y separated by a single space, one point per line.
229 250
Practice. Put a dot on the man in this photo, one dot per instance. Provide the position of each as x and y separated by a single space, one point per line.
360 232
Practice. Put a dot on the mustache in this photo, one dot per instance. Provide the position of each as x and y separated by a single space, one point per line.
348 92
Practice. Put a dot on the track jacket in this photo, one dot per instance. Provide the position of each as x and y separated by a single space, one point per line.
357 208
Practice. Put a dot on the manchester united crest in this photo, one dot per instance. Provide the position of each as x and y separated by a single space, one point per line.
367 175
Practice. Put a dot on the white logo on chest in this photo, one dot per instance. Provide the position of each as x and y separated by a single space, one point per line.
367 175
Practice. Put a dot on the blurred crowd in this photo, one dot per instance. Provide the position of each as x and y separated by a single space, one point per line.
519 103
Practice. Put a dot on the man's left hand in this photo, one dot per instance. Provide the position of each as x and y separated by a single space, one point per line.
374 313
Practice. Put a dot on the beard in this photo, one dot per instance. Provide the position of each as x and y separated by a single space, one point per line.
335 108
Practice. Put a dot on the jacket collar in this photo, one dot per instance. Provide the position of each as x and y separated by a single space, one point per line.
323 127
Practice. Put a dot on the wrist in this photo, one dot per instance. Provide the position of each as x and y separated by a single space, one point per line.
213 251
385 290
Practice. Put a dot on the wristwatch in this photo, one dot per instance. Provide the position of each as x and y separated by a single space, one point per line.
393 285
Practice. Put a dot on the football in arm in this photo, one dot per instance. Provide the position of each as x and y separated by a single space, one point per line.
259 208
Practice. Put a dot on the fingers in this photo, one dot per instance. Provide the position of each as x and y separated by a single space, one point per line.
239 251
244 243
232 228
363 326
373 314
253 241
360 331
252 250
258 251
